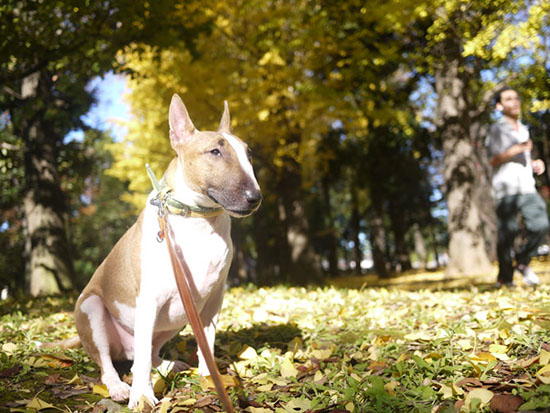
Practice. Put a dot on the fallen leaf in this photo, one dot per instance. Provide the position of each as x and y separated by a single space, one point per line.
483 395
206 382
544 357
248 353
101 389
544 374
288 369
9 348
39 404
505 403
11 371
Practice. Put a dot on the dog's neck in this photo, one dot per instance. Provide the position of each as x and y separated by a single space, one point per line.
175 179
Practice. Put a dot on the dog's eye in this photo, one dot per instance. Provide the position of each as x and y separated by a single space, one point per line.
216 152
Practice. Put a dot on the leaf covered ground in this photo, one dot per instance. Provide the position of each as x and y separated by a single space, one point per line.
405 345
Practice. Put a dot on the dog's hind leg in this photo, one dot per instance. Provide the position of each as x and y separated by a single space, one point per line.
100 339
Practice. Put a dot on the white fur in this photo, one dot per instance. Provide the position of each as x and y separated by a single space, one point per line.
242 156
207 250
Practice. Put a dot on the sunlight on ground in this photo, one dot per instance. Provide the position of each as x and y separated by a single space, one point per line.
437 280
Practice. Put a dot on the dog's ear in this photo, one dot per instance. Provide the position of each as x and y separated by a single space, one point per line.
181 127
225 123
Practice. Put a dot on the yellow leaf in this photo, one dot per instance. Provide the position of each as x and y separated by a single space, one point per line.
446 391
252 409
39 404
272 57
481 316
498 349
350 407
465 344
227 381
483 357
188 402
288 369
544 374
101 389
420 335
265 387
544 357
321 354
390 387
298 405
76 380
248 353
481 394
9 348
318 376
263 114
159 385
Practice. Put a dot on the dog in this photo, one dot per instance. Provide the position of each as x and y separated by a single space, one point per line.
131 305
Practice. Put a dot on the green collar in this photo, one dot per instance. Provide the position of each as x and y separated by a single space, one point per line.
165 199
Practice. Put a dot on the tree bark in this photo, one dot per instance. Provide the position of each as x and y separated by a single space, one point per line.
302 264
49 267
377 240
332 253
355 230
467 254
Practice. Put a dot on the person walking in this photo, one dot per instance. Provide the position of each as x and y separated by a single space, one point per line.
514 189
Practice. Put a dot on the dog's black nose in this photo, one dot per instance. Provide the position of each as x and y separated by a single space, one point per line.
253 197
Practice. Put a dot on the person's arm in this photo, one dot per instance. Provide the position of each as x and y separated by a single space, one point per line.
509 153
538 166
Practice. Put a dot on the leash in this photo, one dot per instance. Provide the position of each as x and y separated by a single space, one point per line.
182 274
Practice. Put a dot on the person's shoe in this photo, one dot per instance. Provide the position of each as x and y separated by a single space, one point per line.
529 277
500 284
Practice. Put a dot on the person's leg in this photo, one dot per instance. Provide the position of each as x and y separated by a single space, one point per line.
506 209
533 212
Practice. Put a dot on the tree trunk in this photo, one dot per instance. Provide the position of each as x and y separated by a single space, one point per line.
377 241
419 246
332 252
48 260
398 226
355 230
303 265
467 254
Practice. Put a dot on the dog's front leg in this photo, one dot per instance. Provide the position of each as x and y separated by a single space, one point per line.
209 317
146 315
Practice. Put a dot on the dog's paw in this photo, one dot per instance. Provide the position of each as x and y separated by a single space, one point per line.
119 391
137 395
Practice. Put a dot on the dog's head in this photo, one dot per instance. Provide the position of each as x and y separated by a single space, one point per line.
215 165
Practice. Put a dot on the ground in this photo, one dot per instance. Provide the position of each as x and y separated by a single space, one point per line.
415 343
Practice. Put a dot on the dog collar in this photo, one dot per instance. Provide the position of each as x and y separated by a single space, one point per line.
166 200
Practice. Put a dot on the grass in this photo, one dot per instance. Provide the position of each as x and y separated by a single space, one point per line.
416 343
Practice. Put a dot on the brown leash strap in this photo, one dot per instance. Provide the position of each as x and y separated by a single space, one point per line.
183 275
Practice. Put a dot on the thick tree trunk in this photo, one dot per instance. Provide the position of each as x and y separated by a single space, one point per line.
303 264
48 259
467 254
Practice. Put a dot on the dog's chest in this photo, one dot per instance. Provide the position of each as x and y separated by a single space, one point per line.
207 250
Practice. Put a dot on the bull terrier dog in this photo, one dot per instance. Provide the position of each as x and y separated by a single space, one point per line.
131 306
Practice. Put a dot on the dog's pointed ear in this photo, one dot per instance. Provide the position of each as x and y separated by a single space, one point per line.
225 123
181 127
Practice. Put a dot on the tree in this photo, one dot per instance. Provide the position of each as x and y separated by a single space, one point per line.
50 50
463 41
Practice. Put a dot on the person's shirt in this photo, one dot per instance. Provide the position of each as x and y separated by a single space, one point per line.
515 176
